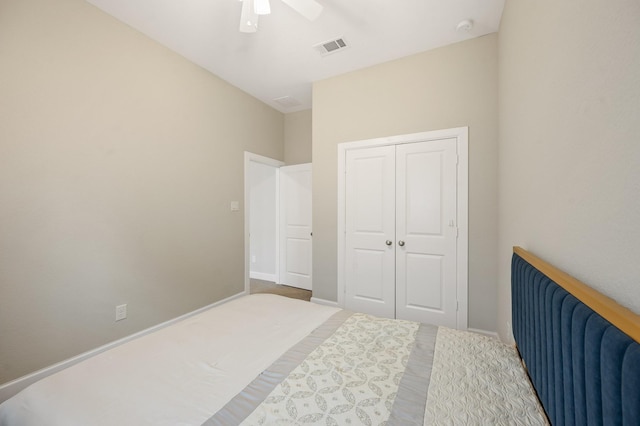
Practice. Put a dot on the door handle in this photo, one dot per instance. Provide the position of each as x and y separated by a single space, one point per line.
401 243
388 242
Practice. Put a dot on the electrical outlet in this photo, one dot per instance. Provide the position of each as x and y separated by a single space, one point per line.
509 330
121 312
253 259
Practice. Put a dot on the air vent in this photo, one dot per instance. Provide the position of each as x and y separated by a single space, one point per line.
331 46
287 102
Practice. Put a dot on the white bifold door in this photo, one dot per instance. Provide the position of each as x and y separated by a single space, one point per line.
401 231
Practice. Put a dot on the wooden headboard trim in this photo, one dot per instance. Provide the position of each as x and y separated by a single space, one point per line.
609 309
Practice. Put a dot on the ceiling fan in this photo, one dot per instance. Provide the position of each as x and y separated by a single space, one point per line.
251 9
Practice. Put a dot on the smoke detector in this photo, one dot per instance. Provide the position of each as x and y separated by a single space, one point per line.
331 46
465 26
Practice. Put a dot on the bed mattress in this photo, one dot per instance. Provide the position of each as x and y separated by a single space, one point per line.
266 359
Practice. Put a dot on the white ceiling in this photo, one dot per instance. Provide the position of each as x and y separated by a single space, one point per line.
279 60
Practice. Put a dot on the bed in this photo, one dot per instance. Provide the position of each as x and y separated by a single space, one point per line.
266 359
580 347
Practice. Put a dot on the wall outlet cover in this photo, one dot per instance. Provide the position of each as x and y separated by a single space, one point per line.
121 312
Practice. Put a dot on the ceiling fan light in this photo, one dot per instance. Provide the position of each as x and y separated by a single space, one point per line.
248 27
261 7
248 18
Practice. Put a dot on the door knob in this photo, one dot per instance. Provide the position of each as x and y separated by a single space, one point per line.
401 243
388 242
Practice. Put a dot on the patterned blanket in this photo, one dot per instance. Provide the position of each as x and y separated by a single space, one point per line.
361 370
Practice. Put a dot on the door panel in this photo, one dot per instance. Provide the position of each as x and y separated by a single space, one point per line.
369 186
420 293
426 216
370 223
423 189
295 193
368 280
298 254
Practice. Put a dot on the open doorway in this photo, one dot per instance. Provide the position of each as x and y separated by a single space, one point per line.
277 221
277 229
261 221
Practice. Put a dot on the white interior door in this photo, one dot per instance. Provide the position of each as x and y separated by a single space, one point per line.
370 231
429 183
401 231
426 232
295 214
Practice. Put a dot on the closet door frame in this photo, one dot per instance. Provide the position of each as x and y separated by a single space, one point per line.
461 134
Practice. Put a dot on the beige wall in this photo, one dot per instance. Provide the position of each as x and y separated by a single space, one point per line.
569 142
297 137
118 160
449 87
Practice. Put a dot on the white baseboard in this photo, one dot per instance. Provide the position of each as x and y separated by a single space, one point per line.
263 276
492 334
11 388
324 302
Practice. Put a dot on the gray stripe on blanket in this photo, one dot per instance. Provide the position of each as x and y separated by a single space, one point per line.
411 400
243 404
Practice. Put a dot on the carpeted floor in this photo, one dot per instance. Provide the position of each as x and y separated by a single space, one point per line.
259 286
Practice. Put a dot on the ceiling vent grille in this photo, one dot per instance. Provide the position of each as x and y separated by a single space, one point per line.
331 46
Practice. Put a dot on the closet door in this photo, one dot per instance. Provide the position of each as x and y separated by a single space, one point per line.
426 232
370 231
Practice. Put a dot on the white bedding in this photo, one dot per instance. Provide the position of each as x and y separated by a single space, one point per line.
353 377
179 375
265 359
377 371
487 380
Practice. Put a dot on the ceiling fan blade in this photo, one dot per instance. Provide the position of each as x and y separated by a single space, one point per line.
310 9
248 17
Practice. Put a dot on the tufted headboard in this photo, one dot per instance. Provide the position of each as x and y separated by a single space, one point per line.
580 348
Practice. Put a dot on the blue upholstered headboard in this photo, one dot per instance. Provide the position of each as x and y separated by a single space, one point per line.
585 370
